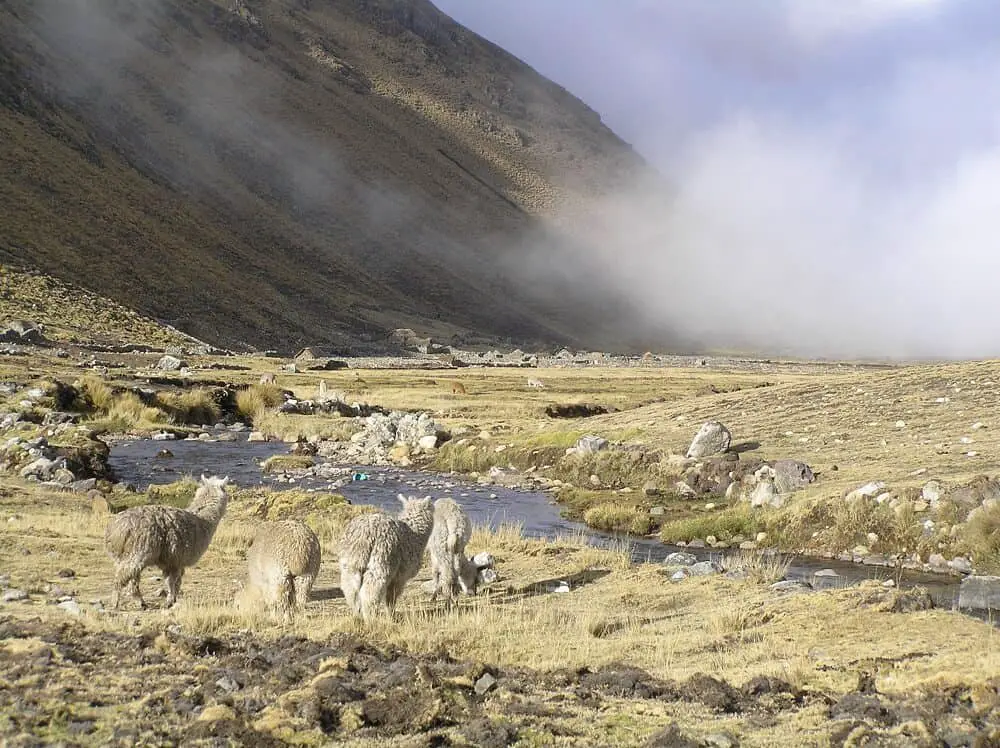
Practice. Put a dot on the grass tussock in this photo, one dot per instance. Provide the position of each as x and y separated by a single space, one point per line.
981 538
282 463
256 399
760 567
619 517
179 493
725 524
290 427
195 406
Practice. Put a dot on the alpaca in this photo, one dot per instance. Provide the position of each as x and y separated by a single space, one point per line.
283 562
379 554
267 378
449 564
457 388
164 536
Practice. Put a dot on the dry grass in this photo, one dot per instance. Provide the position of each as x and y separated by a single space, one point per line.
614 612
252 402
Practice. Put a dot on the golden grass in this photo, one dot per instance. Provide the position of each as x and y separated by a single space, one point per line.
256 399
614 612
281 463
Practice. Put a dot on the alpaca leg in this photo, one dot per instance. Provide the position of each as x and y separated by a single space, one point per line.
303 586
173 578
285 597
350 585
372 596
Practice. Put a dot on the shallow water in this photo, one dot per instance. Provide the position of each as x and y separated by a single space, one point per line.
136 463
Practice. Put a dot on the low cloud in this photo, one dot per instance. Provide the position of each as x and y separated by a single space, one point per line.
835 173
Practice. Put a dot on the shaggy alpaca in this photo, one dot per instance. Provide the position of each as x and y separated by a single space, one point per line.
163 536
283 563
449 565
379 554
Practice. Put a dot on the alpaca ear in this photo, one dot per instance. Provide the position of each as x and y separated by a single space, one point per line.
203 478
402 499
225 481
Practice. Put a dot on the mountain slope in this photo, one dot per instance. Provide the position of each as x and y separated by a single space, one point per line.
290 171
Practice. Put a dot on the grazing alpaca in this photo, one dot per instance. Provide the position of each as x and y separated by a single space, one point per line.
164 536
283 562
379 554
457 388
449 564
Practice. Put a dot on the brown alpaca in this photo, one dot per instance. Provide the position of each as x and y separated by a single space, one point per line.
457 388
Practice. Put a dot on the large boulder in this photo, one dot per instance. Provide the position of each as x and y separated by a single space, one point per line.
169 363
712 438
791 475
20 331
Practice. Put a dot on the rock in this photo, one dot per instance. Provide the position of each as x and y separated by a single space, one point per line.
684 491
163 436
590 444
761 537
704 569
790 585
720 739
21 331
961 565
484 684
931 492
483 560
55 418
680 575
169 363
42 469
83 486
657 511
71 606
256 436
680 558
712 438
937 560
13 596
63 477
979 593
791 475
649 488
867 491
428 442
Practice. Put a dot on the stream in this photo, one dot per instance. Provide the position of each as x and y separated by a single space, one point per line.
136 462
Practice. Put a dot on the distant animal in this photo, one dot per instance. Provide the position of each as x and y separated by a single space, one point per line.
322 389
169 538
379 554
449 565
537 383
282 563
457 388
267 378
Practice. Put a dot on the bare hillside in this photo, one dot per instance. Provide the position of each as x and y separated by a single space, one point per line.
275 173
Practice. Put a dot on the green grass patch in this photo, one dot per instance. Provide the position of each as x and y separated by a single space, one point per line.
613 516
724 524
281 463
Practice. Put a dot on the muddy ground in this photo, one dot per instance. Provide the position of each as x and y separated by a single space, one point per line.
66 684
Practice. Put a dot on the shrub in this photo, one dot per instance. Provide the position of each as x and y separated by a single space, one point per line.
615 517
196 406
257 398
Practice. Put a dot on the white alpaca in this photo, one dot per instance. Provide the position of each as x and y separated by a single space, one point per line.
283 562
449 564
164 536
379 554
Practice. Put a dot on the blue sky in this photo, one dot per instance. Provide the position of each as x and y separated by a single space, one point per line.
842 155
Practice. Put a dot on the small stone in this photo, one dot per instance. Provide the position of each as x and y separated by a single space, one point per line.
920 506
680 559
704 568
900 424
71 606
679 575
485 682
711 540
13 596
650 488
761 537
488 576
228 684
961 564
657 511
790 585
978 425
